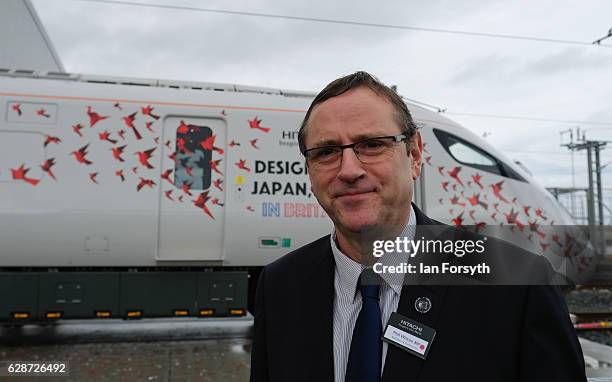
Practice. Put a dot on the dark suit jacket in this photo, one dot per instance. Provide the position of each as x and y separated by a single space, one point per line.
483 333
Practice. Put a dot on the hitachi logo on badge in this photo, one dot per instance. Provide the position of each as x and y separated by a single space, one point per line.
411 326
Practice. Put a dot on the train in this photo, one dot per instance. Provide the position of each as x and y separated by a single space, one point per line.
132 198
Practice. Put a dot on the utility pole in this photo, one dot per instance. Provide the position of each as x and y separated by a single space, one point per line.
592 148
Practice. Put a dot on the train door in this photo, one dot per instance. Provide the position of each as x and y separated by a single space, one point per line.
192 197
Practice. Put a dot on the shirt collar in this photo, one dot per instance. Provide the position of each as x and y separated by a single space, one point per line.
348 270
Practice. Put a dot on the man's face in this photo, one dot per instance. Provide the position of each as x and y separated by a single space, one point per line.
360 197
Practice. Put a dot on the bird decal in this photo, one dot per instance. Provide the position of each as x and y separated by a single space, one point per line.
117 152
255 123
148 110
242 165
217 183
145 182
94 117
93 176
129 122
253 143
209 144
46 167
186 188
81 155
21 174
214 165
497 187
42 113
201 203
169 194
51 139
105 136
16 108
77 129
119 173
476 178
454 173
233 143
144 156
166 175
148 125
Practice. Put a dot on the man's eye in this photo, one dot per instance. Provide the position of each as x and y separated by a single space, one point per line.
372 144
325 152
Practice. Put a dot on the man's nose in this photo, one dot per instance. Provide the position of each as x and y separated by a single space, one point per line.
351 167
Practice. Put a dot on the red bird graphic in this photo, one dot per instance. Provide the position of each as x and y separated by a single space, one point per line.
480 225
217 183
180 198
555 238
144 156
77 129
117 152
209 144
242 165
454 173
471 213
201 203
180 143
233 143
476 178
214 165
169 144
255 124
441 201
21 174
105 136
148 125
254 143
189 171
493 216
93 176
156 140
538 212
117 105
497 187
441 170
445 186
169 194
94 117
249 208
428 160
46 167
135 169
223 112
183 128
16 108
475 199
533 226
425 147
455 200
511 218
148 110
458 220
121 134
81 154
217 202
42 113
526 209
186 187
145 182
166 175
514 200
119 173
129 122
51 139
172 156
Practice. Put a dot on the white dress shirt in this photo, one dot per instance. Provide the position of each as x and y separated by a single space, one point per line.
347 302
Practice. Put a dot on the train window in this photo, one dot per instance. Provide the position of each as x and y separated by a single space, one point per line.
471 155
192 163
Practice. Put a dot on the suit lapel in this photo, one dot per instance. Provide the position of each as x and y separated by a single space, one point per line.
315 321
399 364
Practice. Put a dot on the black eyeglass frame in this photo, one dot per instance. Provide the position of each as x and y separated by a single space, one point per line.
396 139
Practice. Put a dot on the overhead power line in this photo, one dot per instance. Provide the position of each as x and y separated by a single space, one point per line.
349 22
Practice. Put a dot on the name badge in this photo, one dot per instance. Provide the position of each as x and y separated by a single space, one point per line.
409 335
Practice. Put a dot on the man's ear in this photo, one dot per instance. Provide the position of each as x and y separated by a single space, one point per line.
416 150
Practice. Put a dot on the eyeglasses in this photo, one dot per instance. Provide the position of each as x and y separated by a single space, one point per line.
368 151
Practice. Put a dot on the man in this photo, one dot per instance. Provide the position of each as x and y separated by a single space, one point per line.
316 319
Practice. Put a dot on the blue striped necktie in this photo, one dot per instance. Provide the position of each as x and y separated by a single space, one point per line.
365 357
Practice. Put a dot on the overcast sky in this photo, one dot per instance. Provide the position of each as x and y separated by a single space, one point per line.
464 74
